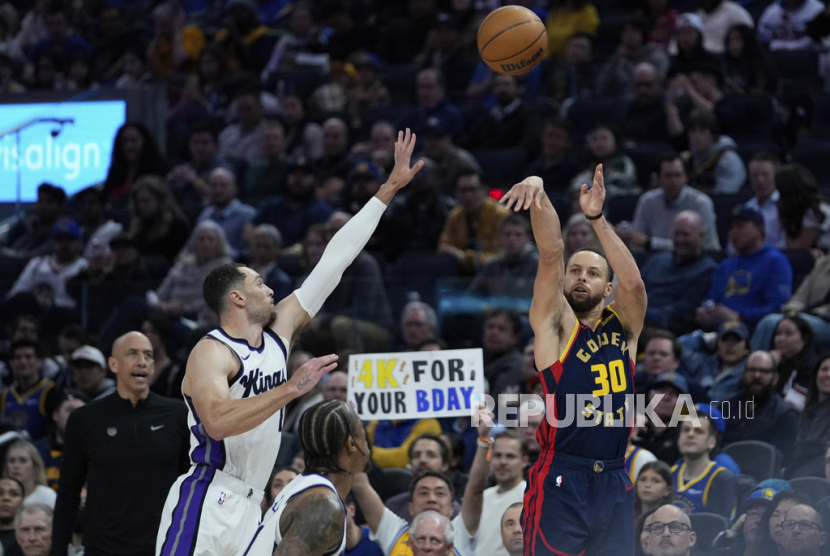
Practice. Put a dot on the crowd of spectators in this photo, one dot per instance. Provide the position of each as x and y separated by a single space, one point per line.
280 121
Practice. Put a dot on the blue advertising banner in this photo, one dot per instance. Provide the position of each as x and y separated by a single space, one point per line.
73 155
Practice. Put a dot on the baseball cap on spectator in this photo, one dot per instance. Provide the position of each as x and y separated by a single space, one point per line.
761 498
733 327
434 128
89 353
776 484
746 214
714 414
672 379
362 169
67 228
689 20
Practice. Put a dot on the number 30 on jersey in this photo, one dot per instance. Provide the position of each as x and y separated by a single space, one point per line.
609 379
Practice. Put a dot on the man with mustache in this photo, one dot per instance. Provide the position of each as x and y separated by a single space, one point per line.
763 414
579 497
670 532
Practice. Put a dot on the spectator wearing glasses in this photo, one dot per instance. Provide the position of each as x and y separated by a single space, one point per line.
668 532
803 531
772 421
771 524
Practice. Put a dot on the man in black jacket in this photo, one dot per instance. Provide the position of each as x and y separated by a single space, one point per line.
128 448
759 412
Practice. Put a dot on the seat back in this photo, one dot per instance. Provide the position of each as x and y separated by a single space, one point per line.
756 458
815 487
707 526
396 480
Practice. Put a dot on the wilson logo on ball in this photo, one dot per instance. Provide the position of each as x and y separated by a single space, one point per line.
523 64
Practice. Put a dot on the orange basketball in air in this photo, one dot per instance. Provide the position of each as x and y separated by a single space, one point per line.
512 40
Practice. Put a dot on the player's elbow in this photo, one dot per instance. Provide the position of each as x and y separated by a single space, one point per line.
551 250
633 286
215 428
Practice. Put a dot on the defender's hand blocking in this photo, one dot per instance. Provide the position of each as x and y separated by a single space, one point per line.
402 174
307 376
591 200
530 190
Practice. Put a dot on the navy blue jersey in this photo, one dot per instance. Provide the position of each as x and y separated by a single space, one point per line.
594 362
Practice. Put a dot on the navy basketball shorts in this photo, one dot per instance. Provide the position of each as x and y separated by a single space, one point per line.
575 506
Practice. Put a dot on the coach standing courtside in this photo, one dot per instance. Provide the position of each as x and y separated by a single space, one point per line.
129 448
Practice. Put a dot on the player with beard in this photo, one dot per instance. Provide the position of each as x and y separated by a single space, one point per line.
236 386
579 497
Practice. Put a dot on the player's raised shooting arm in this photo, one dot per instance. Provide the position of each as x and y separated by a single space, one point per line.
630 300
212 365
297 309
312 524
549 304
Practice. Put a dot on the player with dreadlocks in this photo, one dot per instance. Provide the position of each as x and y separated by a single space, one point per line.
308 517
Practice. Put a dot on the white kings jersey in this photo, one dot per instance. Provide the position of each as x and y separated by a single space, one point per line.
249 456
268 536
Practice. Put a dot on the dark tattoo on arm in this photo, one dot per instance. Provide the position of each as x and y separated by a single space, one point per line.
312 525
604 225
303 383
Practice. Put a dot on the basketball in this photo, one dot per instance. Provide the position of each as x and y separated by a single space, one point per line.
512 40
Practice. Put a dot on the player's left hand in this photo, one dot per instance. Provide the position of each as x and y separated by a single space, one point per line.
591 199
486 421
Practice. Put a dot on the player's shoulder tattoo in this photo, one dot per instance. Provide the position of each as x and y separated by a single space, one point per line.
314 523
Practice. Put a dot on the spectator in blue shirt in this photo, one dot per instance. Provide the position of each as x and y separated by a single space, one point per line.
432 103
755 282
677 281
226 210
299 209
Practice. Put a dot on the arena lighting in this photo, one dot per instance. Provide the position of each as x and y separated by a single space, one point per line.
16 130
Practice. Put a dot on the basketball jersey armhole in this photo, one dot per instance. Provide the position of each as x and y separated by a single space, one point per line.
238 374
278 339
567 349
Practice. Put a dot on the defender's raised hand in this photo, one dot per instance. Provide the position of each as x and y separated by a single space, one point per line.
402 174
529 191
591 199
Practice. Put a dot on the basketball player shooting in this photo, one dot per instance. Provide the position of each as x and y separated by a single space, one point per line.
236 387
579 498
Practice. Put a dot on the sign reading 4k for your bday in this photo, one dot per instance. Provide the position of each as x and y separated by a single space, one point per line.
415 385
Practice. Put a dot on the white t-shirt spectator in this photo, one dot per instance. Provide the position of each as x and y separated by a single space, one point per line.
41 495
45 271
718 22
783 30
488 538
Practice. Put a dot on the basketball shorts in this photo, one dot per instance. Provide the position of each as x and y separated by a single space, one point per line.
208 512
575 506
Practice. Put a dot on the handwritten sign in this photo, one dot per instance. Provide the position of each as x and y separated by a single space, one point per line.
415 385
